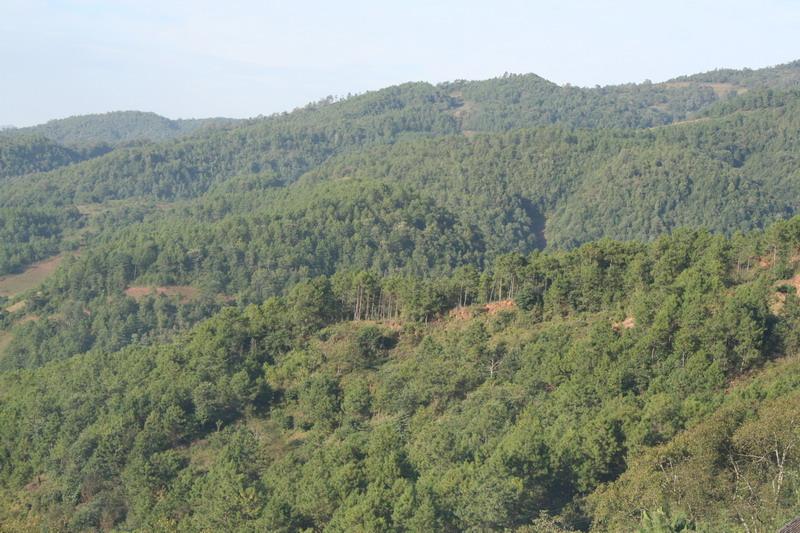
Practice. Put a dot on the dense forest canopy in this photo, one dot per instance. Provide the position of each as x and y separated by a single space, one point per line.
345 405
472 306
115 128
27 154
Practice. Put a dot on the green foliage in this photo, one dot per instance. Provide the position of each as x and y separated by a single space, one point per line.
370 317
28 235
282 417
534 178
26 154
115 128
520 101
281 147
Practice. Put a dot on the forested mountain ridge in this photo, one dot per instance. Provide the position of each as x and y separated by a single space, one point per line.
404 311
283 146
491 103
735 169
733 166
290 144
391 187
283 149
115 128
785 76
522 101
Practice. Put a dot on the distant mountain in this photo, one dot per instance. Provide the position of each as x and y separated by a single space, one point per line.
630 161
117 127
785 76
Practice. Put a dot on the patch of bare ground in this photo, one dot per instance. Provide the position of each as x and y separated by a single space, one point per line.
779 296
766 261
36 483
105 207
684 122
628 323
461 313
465 108
185 293
19 306
493 308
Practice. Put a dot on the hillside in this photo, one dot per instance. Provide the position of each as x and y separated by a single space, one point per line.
293 143
499 305
733 168
610 364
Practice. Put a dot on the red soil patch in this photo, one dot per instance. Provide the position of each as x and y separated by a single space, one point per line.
461 313
779 298
19 306
794 282
184 292
628 323
495 307
767 260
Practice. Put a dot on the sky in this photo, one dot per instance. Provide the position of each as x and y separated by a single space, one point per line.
237 58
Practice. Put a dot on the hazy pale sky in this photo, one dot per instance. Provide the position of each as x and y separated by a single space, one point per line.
241 58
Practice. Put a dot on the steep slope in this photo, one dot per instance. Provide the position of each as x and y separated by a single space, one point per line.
252 235
280 417
735 170
287 237
28 235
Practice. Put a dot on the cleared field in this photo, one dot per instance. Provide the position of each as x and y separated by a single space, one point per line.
33 276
